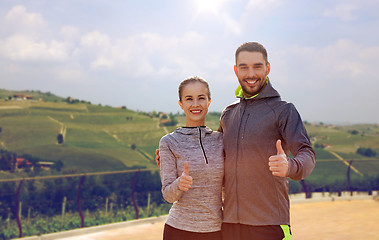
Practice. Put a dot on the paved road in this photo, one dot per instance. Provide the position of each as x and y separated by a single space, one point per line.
337 220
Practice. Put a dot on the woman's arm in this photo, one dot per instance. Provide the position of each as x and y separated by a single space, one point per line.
169 175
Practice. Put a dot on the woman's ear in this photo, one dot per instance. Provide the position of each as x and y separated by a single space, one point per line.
209 102
180 104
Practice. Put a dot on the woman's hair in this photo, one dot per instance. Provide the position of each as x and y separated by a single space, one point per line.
193 79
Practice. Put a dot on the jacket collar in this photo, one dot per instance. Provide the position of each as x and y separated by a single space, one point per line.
267 92
193 130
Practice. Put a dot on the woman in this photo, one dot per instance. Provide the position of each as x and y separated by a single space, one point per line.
192 169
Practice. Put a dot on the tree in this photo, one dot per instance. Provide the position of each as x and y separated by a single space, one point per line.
368 152
60 138
354 132
58 165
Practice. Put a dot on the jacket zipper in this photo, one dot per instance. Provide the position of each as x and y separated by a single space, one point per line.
238 143
202 148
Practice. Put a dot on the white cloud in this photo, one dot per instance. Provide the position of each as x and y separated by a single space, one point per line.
263 5
144 54
22 48
19 20
96 40
24 38
330 83
342 11
70 33
344 59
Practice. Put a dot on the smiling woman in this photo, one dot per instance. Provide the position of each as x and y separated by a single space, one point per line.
192 169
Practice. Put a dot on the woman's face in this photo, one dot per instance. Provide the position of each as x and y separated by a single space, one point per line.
195 102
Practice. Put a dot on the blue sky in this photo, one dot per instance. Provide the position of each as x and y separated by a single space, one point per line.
324 55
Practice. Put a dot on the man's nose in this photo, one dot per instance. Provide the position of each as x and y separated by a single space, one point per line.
251 72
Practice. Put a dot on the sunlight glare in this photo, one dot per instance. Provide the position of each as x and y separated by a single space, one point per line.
209 5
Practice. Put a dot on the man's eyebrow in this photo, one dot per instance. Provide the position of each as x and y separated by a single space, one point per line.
255 64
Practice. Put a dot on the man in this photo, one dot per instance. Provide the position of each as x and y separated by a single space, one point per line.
259 131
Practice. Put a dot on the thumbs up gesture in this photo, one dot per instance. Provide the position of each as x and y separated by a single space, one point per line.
278 163
185 181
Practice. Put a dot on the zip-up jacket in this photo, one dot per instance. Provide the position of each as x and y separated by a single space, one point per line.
199 209
251 127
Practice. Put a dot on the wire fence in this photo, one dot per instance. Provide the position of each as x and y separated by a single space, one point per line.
78 200
45 204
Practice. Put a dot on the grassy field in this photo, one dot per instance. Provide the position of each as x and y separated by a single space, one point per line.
95 138
98 138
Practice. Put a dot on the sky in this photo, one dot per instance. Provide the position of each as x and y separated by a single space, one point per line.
324 55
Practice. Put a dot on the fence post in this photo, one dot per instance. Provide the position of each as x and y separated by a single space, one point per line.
106 206
148 204
78 201
17 210
63 211
308 194
348 177
133 196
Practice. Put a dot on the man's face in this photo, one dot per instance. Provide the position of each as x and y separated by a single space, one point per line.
251 70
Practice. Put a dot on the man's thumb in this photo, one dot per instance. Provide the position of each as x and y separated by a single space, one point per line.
279 148
186 171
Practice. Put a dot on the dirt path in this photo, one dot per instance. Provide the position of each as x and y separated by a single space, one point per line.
339 220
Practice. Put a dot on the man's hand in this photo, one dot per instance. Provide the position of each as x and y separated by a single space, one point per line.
185 181
279 163
157 160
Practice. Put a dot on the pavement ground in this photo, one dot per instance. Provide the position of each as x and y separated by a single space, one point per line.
332 220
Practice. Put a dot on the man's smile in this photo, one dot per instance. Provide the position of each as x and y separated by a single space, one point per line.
251 81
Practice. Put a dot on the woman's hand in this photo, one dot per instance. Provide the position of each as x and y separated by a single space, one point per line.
185 181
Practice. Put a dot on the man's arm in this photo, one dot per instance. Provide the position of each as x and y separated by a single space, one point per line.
297 142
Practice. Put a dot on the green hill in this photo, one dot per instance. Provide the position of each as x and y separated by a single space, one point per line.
101 138
95 138
35 95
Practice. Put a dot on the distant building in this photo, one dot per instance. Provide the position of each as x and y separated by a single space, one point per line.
45 165
22 163
23 97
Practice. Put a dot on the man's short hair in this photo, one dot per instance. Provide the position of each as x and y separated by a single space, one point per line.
252 47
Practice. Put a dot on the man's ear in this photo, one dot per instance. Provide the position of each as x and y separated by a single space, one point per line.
180 104
236 70
268 68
